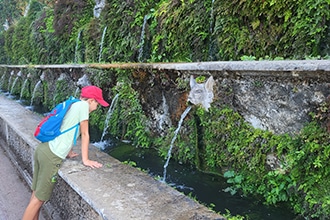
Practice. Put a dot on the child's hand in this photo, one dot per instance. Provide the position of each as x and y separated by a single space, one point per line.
71 154
92 164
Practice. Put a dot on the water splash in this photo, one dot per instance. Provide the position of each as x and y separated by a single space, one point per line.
146 17
184 114
101 144
101 44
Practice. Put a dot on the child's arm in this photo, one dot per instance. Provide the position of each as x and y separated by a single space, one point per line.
84 146
72 154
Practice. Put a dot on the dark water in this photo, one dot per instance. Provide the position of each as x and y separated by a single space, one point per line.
206 188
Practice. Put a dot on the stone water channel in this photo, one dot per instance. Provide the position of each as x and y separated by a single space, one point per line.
271 109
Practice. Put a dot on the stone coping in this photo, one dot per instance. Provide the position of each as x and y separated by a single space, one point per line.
264 66
115 191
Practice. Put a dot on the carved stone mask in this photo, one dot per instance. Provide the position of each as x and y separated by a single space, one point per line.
201 93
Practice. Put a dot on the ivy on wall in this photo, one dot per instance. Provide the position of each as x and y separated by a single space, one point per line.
166 31
124 22
182 31
289 29
128 121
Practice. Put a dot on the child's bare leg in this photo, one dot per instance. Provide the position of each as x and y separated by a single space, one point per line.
33 208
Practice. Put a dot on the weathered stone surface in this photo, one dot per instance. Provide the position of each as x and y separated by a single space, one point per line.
278 105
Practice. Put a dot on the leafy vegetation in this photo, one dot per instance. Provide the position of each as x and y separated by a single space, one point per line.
301 175
128 120
163 31
289 29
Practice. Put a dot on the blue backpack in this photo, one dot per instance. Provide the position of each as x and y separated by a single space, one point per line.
49 127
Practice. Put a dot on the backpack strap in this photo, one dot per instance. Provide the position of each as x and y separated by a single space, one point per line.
75 133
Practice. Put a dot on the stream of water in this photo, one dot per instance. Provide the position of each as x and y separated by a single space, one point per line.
172 142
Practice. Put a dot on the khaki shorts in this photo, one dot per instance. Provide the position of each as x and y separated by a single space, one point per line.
46 166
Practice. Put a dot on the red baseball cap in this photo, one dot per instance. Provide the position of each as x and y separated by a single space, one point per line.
94 92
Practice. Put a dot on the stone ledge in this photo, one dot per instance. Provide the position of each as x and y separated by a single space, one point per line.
118 191
115 191
264 65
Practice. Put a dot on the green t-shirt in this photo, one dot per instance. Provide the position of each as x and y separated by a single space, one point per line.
62 144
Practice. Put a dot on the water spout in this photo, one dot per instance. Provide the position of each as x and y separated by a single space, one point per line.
164 118
23 88
62 76
43 76
1 80
211 31
27 9
9 80
76 53
201 93
142 38
6 25
212 18
83 81
76 92
101 44
34 92
99 5
109 114
13 86
184 114
19 74
101 144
